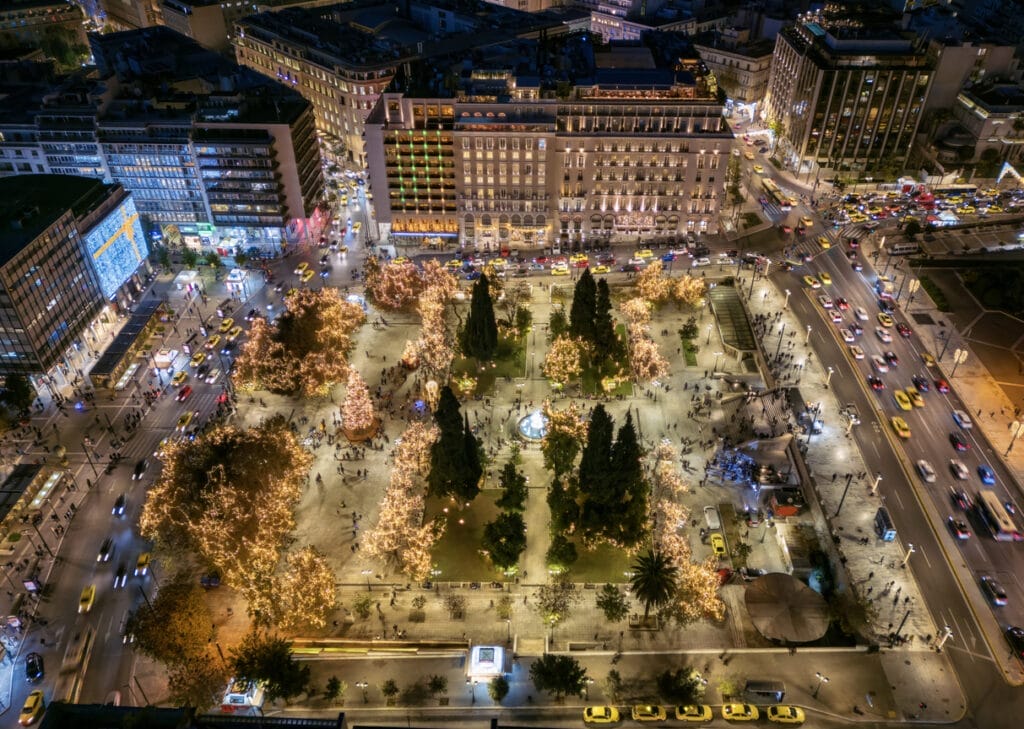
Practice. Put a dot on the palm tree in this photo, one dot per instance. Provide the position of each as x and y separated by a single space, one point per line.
653 580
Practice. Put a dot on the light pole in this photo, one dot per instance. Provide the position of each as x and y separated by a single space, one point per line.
906 557
959 357
822 678
782 332
508 626
808 337
363 685
715 368
1016 431
912 288
709 335
874 486
828 377
472 690
947 633
785 304
366 574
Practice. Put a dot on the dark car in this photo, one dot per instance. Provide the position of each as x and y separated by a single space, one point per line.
119 505
993 591
630 268
986 474
106 550
202 370
228 349
210 580
885 305
961 499
34 670
140 468
942 386
857 266
183 393
958 442
959 529
120 576
920 383
1015 637
472 275
891 358
903 329
876 383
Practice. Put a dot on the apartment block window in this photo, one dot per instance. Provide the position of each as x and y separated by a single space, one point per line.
502 143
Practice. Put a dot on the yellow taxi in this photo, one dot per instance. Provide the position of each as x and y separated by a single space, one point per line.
179 378
648 712
197 359
32 709
807 221
303 265
183 422
759 169
995 209
645 253
560 269
234 334
356 226
858 218
968 210
740 712
212 342
812 282
142 565
400 261
454 264
498 263
902 401
694 712
884 319
718 545
928 359
577 257
915 397
825 278
824 242
600 715
748 154
86 599
600 269
874 210
782 714
226 325
306 275
900 427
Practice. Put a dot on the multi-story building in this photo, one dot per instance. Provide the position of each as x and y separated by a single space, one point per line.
847 95
34 23
49 291
342 57
741 67
200 20
130 14
241 163
508 160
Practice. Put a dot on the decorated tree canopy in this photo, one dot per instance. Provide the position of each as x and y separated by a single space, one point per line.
357 416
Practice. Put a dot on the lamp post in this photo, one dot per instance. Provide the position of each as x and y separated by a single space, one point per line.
822 678
1016 431
785 304
808 337
947 633
586 688
363 685
912 288
906 557
782 331
709 335
828 377
874 486
715 368
959 357
366 574
508 626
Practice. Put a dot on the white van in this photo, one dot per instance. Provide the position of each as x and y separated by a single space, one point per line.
711 517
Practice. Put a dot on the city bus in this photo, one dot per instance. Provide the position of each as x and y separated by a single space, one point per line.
774 194
996 519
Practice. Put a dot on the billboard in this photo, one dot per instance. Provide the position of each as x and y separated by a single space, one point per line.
116 247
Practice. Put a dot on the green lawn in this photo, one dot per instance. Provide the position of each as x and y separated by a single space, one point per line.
604 563
457 553
509 362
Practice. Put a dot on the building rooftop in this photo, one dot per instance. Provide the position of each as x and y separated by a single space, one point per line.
14 486
60 715
31 203
758 48
997 96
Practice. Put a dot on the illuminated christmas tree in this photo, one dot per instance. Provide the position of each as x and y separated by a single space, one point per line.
357 416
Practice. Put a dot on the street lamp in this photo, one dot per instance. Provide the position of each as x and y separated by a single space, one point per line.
906 557
874 486
586 688
363 685
828 378
709 335
366 574
715 368
947 633
782 332
959 357
785 304
472 689
808 337
508 626
1016 431
822 678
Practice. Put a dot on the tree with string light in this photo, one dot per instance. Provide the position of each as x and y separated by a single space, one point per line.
562 363
357 416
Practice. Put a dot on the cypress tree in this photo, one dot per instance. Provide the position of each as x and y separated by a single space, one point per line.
470 481
604 326
584 305
627 479
593 482
480 335
448 465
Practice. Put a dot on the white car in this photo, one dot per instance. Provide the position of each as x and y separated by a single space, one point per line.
836 316
959 470
860 313
962 419
857 352
883 334
879 364
825 301
701 262
847 335
927 472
